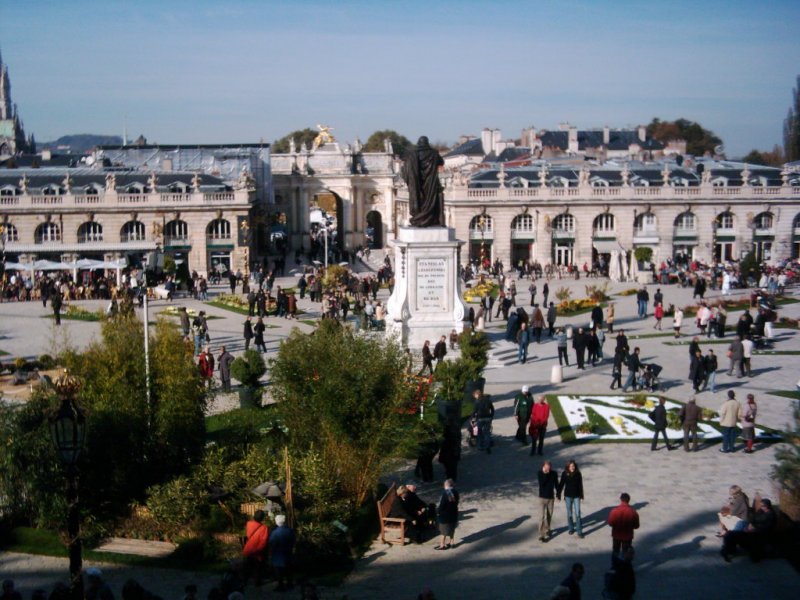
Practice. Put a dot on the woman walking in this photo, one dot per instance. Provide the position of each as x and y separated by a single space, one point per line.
447 515
659 313
571 485
259 339
749 423
677 321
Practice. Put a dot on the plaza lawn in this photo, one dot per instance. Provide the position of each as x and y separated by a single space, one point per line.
601 418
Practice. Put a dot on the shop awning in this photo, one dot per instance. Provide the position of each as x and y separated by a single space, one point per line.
606 246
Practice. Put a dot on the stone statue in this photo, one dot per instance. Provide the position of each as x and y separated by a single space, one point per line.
23 183
583 176
111 182
196 182
626 176
152 182
323 137
67 183
421 174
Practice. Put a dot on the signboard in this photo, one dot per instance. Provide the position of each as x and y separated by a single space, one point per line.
432 284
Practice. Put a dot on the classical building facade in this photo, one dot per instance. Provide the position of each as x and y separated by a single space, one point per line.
558 213
67 214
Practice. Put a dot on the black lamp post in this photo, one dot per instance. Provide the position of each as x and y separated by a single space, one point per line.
68 429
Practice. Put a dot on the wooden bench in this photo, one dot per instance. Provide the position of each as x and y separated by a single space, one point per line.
393 529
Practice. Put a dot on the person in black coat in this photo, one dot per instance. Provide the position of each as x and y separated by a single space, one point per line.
447 514
623 582
450 453
440 350
248 332
616 369
634 364
427 359
659 418
622 342
697 371
579 345
55 303
597 317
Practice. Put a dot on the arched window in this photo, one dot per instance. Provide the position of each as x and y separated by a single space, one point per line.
219 229
178 188
51 190
564 223
725 220
10 231
603 224
132 231
763 220
686 222
9 190
598 182
558 181
90 232
176 231
46 233
522 224
645 224
481 223
92 190
134 188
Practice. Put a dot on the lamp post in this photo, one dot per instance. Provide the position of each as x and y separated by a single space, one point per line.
482 225
68 430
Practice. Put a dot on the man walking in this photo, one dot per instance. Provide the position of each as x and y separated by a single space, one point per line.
659 418
540 414
623 519
736 354
689 416
548 483
634 364
551 317
561 343
730 413
523 404
747 354
248 332
440 350
579 345
224 360
523 339
710 367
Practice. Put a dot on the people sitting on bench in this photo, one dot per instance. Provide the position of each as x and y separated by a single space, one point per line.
418 515
753 538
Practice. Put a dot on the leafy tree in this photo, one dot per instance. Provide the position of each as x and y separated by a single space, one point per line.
698 140
791 127
301 137
400 143
344 398
787 470
773 158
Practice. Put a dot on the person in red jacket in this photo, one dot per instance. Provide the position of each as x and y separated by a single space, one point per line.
538 426
255 548
205 363
623 519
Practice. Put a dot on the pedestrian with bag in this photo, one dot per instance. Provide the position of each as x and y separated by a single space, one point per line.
571 485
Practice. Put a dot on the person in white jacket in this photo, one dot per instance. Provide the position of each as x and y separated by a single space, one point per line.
677 321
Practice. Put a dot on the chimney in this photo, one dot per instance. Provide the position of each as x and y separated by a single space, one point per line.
563 126
496 138
486 140
47 155
573 139
606 135
642 133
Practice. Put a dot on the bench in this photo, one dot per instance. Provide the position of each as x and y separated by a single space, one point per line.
393 529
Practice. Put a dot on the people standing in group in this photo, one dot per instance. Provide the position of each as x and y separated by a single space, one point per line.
224 360
540 415
749 413
427 359
659 418
690 417
259 330
523 406
730 413
561 345
548 484
571 486
447 515
623 520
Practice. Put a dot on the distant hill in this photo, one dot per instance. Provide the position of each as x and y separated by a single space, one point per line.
80 143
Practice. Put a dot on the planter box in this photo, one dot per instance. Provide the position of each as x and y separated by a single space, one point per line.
644 277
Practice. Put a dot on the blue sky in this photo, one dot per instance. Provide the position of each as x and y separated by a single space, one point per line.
239 71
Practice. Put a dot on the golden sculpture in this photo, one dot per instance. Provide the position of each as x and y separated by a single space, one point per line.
324 137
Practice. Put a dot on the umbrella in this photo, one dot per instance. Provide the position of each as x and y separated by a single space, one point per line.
344 264
268 489
633 272
317 262
12 266
614 272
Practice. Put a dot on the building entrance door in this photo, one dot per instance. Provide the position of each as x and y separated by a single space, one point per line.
563 253
723 251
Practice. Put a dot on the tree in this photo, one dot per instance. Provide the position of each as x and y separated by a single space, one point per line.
301 137
791 127
787 470
773 158
400 143
344 399
698 140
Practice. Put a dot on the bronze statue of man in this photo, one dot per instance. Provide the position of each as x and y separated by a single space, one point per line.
421 174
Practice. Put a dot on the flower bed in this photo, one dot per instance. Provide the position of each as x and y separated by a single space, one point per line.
474 294
593 418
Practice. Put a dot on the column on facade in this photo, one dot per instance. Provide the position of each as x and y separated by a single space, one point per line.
543 250
389 221
199 259
582 247
665 221
783 223
704 215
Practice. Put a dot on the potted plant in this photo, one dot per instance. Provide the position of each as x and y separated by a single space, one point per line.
643 255
248 369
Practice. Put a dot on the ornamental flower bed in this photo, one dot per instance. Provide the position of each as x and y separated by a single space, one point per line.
474 294
625 418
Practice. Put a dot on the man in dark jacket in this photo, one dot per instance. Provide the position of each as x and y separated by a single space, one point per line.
634 364
548 485
551 317
697 370
579 344
440 350
689 416
224 360
623 582
248 333
523 403
597 317
484 413
281 545
659 418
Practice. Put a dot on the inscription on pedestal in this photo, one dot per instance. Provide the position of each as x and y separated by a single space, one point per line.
431 284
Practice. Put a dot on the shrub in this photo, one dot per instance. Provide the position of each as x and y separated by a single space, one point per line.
475 351
563 294
249 368
46 362
597 293
643 254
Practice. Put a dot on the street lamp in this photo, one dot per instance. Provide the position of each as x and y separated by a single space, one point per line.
68 430
482 225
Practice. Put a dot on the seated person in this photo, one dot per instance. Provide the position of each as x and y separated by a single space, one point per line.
406 506
729 522
424 515
754 537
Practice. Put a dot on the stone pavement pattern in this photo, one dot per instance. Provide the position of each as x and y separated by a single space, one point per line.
498 554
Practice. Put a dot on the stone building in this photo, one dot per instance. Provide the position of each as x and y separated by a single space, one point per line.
66 214
12 133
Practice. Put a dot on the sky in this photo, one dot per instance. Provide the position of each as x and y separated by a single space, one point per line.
236 71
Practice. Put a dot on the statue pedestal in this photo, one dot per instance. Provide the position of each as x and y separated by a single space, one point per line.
426 303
